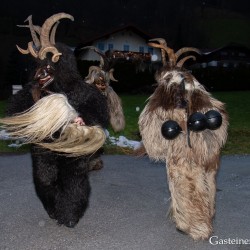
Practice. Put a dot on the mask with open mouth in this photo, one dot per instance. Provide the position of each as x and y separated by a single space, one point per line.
43 78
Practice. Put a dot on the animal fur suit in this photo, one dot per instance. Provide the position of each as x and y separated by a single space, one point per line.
192 157
61 182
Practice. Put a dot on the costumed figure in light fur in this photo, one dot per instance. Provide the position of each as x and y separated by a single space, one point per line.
185 126
100 77
63 118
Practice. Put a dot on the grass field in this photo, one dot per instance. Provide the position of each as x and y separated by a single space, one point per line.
237 104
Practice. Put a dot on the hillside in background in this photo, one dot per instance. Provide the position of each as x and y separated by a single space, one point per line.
219 28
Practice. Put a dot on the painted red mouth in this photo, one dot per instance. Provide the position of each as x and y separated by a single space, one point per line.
44 76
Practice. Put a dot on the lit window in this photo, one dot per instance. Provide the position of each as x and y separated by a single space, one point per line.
141 49
110 46
101 46
150 50
126 47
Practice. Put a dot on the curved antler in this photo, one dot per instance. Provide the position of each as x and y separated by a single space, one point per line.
53 33
90 78
173 57
111 77
46 43
32 46
183 60
186 49
164 48
163 53
45 37
32 31
104 63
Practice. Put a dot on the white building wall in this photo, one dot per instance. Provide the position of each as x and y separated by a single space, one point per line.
118 40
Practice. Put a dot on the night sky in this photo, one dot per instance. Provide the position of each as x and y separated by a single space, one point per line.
204 24
158 17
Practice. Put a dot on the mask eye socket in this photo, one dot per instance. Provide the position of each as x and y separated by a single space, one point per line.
170 129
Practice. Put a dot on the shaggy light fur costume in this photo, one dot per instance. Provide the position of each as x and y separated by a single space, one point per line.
116 115
191 170
48 115
100 76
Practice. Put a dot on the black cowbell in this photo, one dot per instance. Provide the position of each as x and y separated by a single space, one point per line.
214 119
197 122
170 129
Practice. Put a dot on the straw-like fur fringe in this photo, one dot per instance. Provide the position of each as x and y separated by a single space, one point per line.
191 171
204 144
116 116
42 120
51 114
78 140
193 199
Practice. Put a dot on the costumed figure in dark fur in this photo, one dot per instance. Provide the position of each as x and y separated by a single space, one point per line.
185 126
63 118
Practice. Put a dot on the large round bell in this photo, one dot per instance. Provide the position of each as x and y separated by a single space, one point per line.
214 119
197 122
170 129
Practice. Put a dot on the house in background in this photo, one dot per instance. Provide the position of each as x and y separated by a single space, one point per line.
229 56
126 43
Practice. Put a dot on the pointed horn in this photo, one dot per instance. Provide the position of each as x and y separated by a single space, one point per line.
45 36
163 53
90 77
23 51
94 68
31 49
46 27
37 29
53 33
91 69
111 75
186 49
183 60
104 63
56 54
33 32
35 39
163 46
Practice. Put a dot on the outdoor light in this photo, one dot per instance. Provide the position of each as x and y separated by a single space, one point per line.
154 58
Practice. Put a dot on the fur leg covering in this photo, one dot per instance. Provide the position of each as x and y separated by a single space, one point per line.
192 199
116 116
191 171
48 116
61 184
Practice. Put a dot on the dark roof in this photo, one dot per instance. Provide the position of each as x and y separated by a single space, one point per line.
110 32
230 46
216 54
